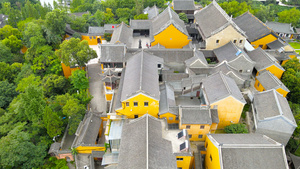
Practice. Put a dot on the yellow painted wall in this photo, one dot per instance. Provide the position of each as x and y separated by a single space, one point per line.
195 131
68 70
171 37
89 149
140 110
263 41
225 36
168 116
211 151
108 97
260 88
186 163
92 40
274 70
213 127
23 49
229 110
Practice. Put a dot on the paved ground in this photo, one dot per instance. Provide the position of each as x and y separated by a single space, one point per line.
135 42
98 103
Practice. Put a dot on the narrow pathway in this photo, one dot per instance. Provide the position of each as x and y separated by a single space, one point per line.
98 103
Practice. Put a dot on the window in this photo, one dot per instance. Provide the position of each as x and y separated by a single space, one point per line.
91 37
135 104
177 118
240 71
136 116
127 104
188 126
260 46
190 136
179 167
258 84
210 158
179 159
94 37
241 41
217 41
170 118
146 104
158 65
202 127
200 136
234 41
206 144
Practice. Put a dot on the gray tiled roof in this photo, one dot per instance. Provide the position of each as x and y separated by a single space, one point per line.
141 76
229 52
281 27
253 27
152 12
141 24
122 34
269 81
198 57
95 30
89 130
212 19
117 100
195 115
112 52
172 55
276 44
280 56
219 86
167 99
249 151
184 5
215 115
263 59
166 18
142 145
270 104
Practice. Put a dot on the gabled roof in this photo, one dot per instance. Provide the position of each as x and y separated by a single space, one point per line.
254 28
140 24
276 44
281 27
141 76
269 81
165 19
270 104
184 5
197 58
88 130
122 34
171 55
230 52
112 52
95 30
152 12
212 19
249 151
226 69
219 86
263 60
195 115
142 145
167 100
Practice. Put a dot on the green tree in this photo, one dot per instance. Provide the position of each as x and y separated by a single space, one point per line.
8 30
74 52
5 54
7 93
54 163
17 151
183 17
290 16
54 85
235 8
141 17
109 16
13 43
79 24
77 35
98 19
236 128
79 80
75 111
33 35
107 37
52 122
24 71
265 13
28 81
